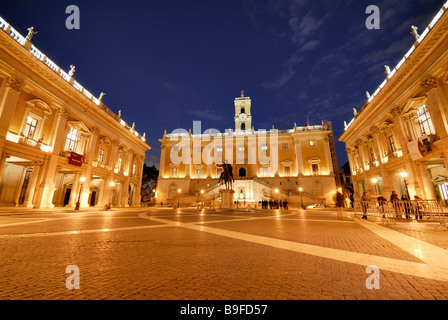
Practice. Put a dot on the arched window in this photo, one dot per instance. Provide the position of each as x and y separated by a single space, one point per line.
243 126
243 110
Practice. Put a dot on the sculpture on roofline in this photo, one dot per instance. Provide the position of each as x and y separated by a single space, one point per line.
31 33
72 71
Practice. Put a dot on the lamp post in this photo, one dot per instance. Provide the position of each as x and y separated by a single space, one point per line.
301 199
178 196
78 203
375 182
404 175
202 198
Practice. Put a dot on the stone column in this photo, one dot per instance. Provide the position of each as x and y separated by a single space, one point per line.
9 96
58 136
47 185
435 106
32 186
75 190
330 168
299 156
3 163
91 152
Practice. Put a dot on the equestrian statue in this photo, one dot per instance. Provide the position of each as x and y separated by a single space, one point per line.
227 176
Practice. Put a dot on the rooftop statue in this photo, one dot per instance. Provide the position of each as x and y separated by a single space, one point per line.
72 71
414 32
31 33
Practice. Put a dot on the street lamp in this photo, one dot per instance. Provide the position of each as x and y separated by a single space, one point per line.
404 175
202 198
78 203
301 199
375 182
178 196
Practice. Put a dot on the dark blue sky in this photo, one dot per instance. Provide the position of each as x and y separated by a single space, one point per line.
167 63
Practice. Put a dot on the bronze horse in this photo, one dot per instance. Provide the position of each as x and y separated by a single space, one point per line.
227 176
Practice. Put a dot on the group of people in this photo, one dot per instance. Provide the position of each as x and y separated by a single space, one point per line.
400 205
274 204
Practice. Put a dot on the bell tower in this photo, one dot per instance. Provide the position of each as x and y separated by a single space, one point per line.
243 117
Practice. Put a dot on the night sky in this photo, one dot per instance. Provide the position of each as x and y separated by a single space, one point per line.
168 63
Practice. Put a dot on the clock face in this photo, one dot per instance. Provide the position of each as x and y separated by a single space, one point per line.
243 117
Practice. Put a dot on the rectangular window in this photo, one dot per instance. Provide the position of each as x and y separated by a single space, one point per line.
72 140
30 127
287 171
134 169
265 172
312 143
445 191
285 146
241 148
219 149
264 147
425 122
173 172
392 144
198 173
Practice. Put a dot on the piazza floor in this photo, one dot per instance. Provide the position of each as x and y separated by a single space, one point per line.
166 254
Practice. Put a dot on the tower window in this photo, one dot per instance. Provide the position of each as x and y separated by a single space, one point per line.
243 126
243 110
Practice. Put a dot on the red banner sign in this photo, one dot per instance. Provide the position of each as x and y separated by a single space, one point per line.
75 159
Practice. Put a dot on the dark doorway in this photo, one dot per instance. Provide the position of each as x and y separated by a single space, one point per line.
243 126
67 196
92 199
242 172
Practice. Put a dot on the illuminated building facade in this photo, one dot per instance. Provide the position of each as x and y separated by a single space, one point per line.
267 165
59 144
398 141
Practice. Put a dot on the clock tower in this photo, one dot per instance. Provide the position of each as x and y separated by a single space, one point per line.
243 118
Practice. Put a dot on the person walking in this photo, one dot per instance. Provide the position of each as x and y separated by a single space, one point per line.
365 199
395 202
418 209
381 202
340 205
406 205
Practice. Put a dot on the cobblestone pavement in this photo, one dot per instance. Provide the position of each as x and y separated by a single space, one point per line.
166 254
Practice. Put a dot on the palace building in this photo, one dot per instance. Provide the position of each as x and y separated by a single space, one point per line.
59 144
398 141
297 165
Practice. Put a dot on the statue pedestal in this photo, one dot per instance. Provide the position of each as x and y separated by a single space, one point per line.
226 198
